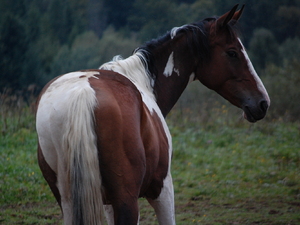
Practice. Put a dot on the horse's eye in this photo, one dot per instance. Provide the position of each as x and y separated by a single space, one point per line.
232 54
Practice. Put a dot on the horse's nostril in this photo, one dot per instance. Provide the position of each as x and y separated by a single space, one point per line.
264 105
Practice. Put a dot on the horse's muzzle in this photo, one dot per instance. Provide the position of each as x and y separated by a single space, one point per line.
255 112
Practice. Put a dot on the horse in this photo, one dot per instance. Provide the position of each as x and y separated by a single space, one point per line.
103 141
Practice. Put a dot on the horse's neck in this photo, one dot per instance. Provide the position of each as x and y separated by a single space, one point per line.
175 67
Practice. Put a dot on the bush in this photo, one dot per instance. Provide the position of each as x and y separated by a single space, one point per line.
289 50
89 52
263 48
283 84
76 57
115 43
13 44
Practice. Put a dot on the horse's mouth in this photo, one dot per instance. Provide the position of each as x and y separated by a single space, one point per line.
249 116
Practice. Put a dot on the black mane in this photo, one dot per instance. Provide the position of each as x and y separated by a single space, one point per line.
196 38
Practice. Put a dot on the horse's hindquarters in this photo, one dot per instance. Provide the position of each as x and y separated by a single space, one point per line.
67 141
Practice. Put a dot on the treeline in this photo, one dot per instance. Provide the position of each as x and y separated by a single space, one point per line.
40 39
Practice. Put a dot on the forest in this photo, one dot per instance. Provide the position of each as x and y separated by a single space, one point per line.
42 39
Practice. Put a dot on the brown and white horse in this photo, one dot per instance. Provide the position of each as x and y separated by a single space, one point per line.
103 140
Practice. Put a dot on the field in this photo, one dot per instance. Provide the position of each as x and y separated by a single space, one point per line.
225 170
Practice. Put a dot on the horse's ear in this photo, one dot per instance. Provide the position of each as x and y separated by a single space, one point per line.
238 14
222 21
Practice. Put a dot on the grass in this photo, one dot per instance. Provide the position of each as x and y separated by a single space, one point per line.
225 171
245 174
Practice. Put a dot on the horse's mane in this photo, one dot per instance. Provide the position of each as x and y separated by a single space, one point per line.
135 69
196 38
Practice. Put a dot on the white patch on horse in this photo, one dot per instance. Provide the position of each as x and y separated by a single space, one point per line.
259 83
173 32
170 65
177 71
109 214
192 77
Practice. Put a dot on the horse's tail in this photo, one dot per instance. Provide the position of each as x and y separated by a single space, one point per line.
82 158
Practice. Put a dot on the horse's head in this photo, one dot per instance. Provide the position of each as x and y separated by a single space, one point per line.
229 70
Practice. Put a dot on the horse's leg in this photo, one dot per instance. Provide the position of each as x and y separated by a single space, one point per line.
122 192
64 190
49 175
164 204
126 212
56 183
53 181
122 188
109 214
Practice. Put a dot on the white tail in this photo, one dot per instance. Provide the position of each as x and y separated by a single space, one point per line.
81 153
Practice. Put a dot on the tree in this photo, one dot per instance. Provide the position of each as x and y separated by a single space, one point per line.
288 22
290 50
13 46
97 17
60 19
153 18
263 48
118 12
201 9
32 17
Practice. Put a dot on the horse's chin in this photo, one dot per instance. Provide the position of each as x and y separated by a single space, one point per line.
249 117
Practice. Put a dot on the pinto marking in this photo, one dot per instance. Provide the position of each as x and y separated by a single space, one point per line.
192 77
175 30
169 66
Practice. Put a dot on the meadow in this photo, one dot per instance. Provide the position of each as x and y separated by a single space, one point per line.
225 170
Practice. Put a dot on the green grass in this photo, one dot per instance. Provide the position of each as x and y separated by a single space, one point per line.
224 172
245 174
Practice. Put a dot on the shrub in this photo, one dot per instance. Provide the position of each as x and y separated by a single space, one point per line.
289 50
283 84
89 52
263 48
